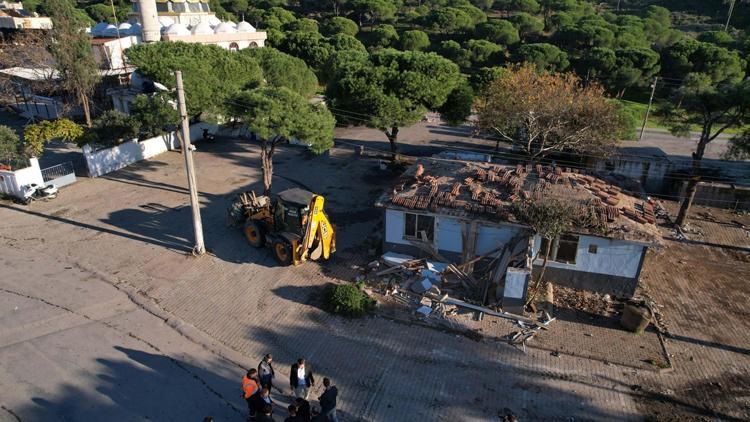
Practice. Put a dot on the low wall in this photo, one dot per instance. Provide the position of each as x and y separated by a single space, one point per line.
12 182
103 161
721 195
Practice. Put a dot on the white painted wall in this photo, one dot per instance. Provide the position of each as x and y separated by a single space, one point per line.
613 257
107 160
490 238
448 234
394 227
11 182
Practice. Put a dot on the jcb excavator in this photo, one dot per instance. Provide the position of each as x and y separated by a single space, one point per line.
293 224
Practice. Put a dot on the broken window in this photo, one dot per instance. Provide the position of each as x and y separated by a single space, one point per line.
416 223
567 248
593 248
564 249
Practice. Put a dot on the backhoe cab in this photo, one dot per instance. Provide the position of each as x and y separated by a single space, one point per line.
292 223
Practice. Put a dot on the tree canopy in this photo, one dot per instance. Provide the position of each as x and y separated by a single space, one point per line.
210 73
392 89
277 113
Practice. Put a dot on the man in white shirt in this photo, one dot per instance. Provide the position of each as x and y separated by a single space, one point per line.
301 379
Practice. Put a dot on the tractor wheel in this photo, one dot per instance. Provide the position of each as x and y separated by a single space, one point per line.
282 252
254 234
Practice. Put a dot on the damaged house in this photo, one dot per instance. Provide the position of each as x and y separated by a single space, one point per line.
465 210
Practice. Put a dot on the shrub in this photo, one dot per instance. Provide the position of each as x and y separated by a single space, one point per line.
348 300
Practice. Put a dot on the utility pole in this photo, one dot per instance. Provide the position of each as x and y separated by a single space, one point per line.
648 110
729 15
199 248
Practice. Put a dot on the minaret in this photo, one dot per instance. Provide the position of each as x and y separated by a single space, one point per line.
151 30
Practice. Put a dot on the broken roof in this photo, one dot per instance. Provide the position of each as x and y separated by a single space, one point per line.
486 191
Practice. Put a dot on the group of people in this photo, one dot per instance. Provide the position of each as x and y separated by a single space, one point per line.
258 383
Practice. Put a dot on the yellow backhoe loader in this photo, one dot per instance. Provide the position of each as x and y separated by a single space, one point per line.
292 223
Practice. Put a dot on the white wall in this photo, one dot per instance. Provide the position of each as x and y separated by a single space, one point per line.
613 257
394 227
11 182
108 160
490 238
448 233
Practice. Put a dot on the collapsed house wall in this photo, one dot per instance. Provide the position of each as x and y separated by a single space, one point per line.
447 238
601 265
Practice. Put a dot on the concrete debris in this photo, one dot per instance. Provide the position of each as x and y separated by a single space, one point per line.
374 264
421 286
393 259
424 310
426 302
437 267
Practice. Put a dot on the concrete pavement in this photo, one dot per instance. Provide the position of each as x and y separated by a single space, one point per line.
75 348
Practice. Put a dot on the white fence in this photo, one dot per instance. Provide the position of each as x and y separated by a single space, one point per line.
12 182
103 161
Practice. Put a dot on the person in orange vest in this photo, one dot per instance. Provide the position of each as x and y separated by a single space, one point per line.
250 387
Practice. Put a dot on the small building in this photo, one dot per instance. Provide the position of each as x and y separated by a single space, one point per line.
14 17
465 210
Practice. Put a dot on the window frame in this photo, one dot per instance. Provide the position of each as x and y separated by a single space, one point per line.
417 217
567 240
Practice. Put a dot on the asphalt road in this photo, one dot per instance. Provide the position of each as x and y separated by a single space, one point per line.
74 348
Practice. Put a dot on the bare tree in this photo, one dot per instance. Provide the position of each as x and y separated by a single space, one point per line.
542 113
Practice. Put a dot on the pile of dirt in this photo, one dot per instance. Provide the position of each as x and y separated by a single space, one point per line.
584 301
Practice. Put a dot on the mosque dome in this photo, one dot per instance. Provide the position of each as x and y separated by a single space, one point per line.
213 21
98 29
202 28
110 31
245 27
177 29
224 28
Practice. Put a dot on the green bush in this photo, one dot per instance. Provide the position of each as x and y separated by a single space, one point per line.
348 300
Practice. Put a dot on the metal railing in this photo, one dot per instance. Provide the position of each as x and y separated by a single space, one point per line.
60 170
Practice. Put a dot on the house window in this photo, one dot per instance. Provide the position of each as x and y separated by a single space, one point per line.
564 249
593 248
234 47
414 224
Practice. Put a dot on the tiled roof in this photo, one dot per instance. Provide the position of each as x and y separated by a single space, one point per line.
486 191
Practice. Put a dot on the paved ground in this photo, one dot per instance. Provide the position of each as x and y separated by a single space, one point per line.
75 348
134 226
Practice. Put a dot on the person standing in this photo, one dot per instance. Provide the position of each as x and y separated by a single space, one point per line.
266 372
303 409
262 399
266 414
292 409
301 379
328 401
250 387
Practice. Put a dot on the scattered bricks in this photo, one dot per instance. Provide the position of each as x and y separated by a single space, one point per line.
513 198
456 189
520 169
567 170
558 171
528 167
399 187
481 174
596 202
491 176
612 200
468 181
433 189
612 213
602 194
526 194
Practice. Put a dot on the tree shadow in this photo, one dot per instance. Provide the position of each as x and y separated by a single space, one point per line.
143 386
403 372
